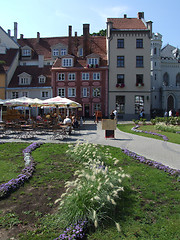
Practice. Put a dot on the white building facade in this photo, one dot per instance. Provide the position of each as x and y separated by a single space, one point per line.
165 77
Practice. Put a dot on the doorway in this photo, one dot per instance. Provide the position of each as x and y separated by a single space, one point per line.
170 103
86 110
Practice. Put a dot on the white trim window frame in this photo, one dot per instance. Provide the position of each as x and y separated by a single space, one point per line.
85 76
42 79
24 81
44 94
93 61
61 92
26 52
96 76
67 62
55 52
61 76
25 94
71 92
85 92
63 51
96 107
71 76
96 92
15 94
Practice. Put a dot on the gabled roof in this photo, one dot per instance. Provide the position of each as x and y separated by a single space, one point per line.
35 72
170 52
8 58
127 23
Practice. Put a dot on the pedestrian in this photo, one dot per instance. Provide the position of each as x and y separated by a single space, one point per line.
112 115
170 113
115 114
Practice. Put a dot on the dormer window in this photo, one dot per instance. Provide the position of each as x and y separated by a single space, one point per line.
42 79
55 52
63 51
93 61
26 52
24 79
67 62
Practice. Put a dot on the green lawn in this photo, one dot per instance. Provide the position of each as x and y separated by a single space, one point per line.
149 208
173 137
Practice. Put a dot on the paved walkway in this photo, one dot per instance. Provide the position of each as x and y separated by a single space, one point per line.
160 151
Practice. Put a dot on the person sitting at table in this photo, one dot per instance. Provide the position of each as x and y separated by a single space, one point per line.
75 123
67 120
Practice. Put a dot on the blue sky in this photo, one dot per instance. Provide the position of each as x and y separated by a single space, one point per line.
52 18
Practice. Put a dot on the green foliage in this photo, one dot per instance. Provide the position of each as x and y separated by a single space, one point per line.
9 220
102 32
167 128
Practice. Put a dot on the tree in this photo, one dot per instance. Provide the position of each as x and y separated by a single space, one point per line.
102 32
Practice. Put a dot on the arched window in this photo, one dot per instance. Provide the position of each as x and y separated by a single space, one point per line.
166 79
178 80
155 50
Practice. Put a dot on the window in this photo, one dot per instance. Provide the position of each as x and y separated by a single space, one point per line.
26 52
139 80
120 104
81 52
139 104
96 92
155 50
15 94
85 92
178 80
139 61
166 79
96 107
61 76
61 92
120 78
71 76
42 79
96 76
55 52
71 92
67 62
139 43
45 94
24 81
25 94
120 43
63 51
120 61
85 76
93 61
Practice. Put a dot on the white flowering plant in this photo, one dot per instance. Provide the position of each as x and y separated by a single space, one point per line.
95 192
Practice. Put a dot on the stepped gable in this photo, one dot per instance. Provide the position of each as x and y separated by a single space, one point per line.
35 72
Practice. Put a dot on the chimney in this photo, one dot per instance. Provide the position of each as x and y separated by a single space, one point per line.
149 26
109 27
70 40
9 32
40 61
15 31
86 47
125 15
140 15
21 36
38 37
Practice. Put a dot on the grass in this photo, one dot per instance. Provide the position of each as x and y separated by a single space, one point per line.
173 137
148 208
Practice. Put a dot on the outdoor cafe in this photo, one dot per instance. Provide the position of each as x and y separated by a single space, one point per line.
16 123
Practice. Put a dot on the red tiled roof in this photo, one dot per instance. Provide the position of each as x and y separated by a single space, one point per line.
8 58
43 47
35 72
127 23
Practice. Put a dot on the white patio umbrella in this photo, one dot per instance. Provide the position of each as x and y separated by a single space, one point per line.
61 102
23 101
1 105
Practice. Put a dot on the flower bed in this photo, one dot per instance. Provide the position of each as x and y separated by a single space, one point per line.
154 164
156 134
7 188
